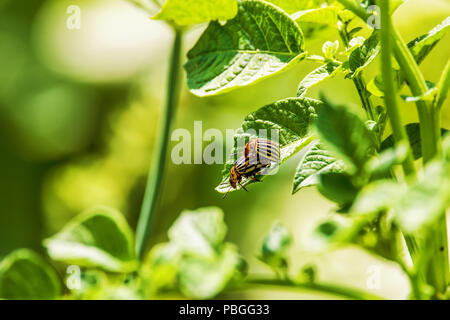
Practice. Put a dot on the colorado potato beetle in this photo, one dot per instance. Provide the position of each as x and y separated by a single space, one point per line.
242 168
262 151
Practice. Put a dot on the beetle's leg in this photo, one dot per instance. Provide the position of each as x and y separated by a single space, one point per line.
242 186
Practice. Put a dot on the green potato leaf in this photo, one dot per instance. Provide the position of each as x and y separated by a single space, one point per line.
376 86
413 132
316 161
24 275
429 95
274 247
99 237
385 160
426 200
291 6
421 46
291 118
337 187
202 278
160 269
259 42
345 134
325 16
377 196
334 232
188 12
322 73
362 56
199 232
196 259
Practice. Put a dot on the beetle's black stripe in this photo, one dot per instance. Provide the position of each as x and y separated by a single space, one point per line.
241 165
268 151
254 169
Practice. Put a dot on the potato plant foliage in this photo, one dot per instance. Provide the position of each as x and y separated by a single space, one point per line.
350 159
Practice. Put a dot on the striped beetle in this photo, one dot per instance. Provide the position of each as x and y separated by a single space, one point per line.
242 168
262 151
258 154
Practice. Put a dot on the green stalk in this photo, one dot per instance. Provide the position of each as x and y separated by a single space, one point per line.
358 79
418 87
430 137
390 90
390 97
415 80
155 177
363 94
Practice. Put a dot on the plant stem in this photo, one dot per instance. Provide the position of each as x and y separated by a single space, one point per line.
155 177
418 87
364 95
430 138
415 81
350 293
439 266
390 97
358 80
390 90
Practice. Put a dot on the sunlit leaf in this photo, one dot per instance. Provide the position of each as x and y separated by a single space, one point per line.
362 56
428 95
204 278
426 200
99 237
330 48
318 75
25 275
413 132
291 6
316 161
160 269
375 86
421 46
291 118
377 196
199 232
345 134
386 159
260 41
325 15
188 12
354 31
333 232
274 247
196 259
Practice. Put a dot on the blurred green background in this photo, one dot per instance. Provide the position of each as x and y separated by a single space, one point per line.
79 111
